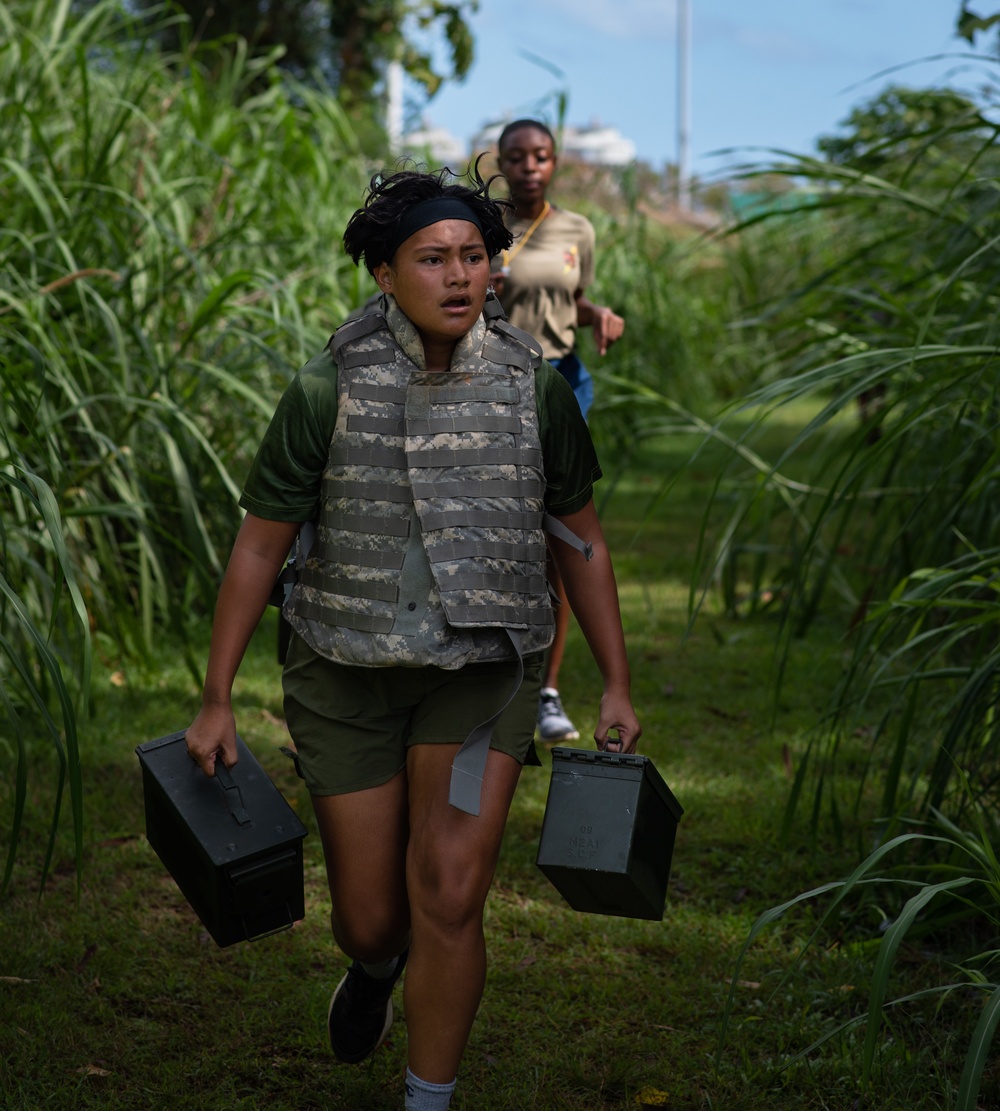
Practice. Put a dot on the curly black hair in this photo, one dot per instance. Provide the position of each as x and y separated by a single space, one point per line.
371 232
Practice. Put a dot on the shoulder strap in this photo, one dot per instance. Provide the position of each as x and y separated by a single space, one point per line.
493 310
520 337
354 330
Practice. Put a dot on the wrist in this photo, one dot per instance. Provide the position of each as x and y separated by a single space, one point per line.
213 699
618 685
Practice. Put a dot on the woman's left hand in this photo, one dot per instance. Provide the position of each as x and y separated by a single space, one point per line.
608 327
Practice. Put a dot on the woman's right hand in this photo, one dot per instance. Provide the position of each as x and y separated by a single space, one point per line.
256 559
211 736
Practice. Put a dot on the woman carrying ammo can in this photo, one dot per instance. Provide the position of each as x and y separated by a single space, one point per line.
436 451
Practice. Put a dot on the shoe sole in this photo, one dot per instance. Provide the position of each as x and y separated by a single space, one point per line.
353 1059
573 736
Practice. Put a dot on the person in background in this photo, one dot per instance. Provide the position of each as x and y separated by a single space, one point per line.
421 615
541 281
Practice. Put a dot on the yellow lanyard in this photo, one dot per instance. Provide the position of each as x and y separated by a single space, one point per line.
507 256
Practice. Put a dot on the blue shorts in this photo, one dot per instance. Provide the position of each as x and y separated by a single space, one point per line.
570 367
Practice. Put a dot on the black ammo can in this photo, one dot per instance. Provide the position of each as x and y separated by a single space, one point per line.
232 842
608 833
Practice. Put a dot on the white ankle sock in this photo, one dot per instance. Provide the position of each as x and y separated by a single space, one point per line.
421 1095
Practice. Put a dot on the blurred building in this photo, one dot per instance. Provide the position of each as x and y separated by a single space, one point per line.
603 146
595 143
437 146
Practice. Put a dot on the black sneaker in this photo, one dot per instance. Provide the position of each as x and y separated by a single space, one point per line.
361 1013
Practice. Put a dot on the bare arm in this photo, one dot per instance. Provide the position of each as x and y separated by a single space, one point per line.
258 554
607 324
593 597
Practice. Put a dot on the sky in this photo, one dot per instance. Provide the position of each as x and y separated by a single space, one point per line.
772 74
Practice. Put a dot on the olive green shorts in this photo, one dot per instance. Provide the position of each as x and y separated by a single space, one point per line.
352 725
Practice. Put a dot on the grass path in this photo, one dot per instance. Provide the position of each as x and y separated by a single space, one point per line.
120 1000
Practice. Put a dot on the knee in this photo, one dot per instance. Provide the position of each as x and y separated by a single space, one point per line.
369 938
450 896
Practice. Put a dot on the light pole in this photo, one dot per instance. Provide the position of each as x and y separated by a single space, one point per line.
394 106
684 105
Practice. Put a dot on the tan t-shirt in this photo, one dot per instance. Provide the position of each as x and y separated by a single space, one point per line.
545 273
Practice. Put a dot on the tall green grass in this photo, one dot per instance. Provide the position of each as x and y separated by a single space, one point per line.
168 258
900 516
880 517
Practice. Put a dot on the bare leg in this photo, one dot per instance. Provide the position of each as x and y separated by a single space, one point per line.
450 864
364 836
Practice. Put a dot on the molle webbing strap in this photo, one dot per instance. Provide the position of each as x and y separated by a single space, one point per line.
451 550
352 587
557 528
447 394
379 426
506 354
488 488
475 456
469 766
355 330
463 422
508 616
325 615
369 455
366 524
473 518
382 355
483 580
364 557
525 338
378 391
370 491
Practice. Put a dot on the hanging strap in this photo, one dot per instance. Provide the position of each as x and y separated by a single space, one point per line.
469 765
557 528
292 571
508 256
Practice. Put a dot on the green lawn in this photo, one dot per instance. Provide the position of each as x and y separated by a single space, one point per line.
117 998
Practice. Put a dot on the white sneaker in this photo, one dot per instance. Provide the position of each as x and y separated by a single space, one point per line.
553 724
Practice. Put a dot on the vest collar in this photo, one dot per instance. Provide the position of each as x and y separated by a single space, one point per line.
405 334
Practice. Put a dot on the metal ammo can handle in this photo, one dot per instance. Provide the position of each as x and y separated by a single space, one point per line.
231 793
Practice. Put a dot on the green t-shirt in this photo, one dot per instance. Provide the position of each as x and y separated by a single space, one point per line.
286 475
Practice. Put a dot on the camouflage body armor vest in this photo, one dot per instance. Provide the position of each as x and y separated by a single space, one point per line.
430 542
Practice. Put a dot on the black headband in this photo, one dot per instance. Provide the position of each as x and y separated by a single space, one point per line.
429 212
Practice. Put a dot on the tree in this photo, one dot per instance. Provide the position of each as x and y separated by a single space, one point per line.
367 35
352 41
904 129
969 24
300 28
